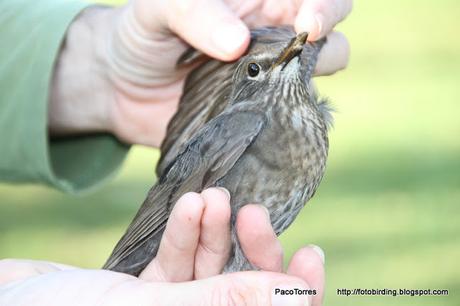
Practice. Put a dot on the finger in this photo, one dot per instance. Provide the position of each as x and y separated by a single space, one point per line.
334 55
257 238
210 26
278 12
268 13
242 288
214 246
319 17
308 264
176 255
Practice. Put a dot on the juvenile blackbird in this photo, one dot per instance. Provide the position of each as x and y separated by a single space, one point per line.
254 126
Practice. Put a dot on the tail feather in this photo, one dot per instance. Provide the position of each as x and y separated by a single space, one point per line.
139 244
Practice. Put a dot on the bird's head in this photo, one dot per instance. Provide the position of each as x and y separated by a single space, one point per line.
276 59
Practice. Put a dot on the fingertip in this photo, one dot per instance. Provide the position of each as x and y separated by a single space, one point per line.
309 22
334 55
342 43
319 252
256 209
306 258
220 194
215 242
217 202
210 26
257 238
189 207
176 253
310 19
255 215
225 191
319 17
230 40
308 264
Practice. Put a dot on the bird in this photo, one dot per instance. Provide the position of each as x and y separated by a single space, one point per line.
254 126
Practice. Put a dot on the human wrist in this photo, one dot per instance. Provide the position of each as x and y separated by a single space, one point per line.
80 93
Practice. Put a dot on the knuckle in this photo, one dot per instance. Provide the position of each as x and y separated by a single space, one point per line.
215 249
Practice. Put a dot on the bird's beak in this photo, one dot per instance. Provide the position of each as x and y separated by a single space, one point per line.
293 49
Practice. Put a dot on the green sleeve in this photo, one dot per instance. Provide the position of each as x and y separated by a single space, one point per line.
31 33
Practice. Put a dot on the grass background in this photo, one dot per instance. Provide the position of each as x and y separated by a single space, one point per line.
387 212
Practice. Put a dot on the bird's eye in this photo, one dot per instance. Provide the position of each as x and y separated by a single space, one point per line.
253 70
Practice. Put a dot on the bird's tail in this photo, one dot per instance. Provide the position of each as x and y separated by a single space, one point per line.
139 245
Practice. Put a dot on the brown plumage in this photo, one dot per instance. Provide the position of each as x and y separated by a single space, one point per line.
254 126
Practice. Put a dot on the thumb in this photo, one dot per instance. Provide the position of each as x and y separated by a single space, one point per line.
210 26
242 288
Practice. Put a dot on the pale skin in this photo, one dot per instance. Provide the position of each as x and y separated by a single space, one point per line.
117 74
186 269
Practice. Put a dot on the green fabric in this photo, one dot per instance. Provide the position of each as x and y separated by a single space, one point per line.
31 33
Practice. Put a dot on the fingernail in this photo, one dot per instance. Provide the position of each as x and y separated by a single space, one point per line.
224 190
290 295
229 37
313 24
318 251
267 213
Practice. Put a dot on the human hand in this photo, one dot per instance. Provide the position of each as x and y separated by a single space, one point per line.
185 271
117 71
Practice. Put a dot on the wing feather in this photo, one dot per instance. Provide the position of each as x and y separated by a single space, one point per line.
205 158
203 99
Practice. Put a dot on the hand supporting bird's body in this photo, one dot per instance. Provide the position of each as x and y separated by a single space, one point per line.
254 126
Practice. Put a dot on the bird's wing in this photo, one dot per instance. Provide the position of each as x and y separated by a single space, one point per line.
206 94
208 156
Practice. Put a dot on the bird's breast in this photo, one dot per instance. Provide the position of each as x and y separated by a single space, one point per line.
280 170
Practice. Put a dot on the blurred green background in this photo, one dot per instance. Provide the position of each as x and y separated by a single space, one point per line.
387 212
